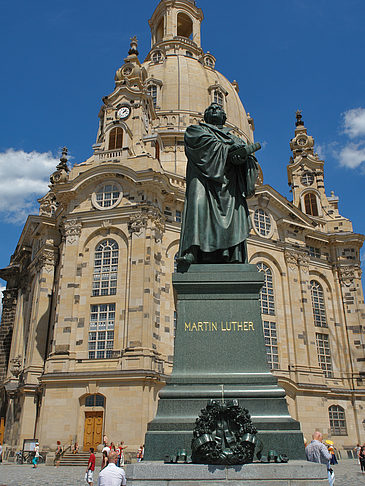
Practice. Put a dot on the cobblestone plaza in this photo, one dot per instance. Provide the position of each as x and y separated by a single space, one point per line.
347 474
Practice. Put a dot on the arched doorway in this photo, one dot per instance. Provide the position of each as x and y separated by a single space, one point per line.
94 421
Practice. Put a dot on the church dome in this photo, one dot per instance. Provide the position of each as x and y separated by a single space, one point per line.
181 77
187 86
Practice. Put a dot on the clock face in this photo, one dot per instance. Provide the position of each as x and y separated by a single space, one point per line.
124 112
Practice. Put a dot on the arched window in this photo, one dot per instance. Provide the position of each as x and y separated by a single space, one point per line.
160 30
310 204
337 420
218 97
94 401
319 311
116 138
267 291
152 91
184 25
105 268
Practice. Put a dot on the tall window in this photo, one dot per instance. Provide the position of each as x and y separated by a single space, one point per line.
337 420
101 333
271 343
324 354
105 268
152 91
267 291
319 311
310 204
218 97
116 138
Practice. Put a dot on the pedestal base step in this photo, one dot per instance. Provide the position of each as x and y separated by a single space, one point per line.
295 473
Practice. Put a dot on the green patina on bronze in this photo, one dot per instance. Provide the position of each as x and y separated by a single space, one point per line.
221 175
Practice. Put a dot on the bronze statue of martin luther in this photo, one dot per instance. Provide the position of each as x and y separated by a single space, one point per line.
220 176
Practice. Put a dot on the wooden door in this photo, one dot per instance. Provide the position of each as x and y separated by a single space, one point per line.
93 430
2 428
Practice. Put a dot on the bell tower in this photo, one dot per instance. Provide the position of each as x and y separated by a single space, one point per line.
177 20
306 180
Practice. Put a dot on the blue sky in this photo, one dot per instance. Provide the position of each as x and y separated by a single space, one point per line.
59 58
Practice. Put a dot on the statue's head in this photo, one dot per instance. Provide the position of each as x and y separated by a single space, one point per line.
215 115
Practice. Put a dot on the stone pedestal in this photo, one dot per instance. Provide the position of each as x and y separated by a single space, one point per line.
296 473
220 354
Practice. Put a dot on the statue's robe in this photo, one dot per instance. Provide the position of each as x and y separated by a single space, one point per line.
216 217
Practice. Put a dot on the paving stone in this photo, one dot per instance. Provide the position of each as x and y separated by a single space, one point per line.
347 474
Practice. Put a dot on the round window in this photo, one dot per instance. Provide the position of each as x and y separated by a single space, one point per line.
107 195
262 222
307 179
157 56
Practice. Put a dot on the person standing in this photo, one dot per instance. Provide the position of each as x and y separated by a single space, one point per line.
58 454
36 455
121 449
316 451
357 452
1 453
112 475
362 459
89 476
140 453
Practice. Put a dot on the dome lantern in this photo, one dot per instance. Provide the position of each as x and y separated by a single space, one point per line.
178 20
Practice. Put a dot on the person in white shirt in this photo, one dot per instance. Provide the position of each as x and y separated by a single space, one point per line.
112 475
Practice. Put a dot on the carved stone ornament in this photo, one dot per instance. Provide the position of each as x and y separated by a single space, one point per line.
10 297
72 231
223 434
304 260
48 205
137 222
349 273
46 261
291 258
16 365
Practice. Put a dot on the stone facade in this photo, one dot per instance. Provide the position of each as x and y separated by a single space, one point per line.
91 312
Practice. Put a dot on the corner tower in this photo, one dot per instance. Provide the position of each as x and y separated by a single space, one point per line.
306 180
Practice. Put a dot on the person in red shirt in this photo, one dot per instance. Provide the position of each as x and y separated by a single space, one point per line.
89 476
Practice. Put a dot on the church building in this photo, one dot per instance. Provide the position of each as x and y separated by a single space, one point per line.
88 322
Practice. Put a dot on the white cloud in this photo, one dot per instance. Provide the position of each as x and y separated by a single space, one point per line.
1 298
354 122
352 155
23 178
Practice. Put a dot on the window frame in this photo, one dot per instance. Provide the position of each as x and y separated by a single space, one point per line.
101 331
336 413
323 344
318 304
107 272
263 223
116 135
271 344
267 290
99 189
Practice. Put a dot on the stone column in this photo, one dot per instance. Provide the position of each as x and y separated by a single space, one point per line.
10 297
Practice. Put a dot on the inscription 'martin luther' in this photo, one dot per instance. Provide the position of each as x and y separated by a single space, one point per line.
224 326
